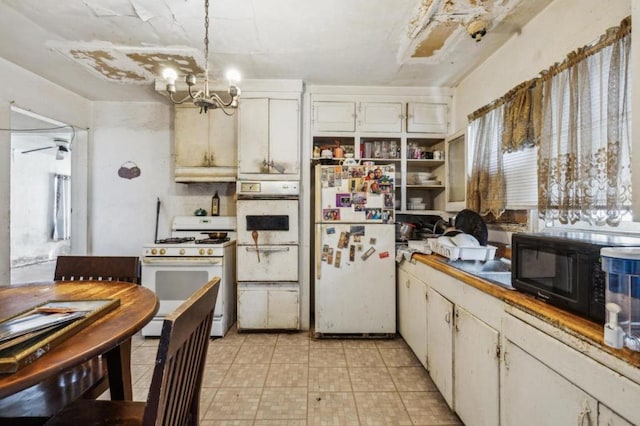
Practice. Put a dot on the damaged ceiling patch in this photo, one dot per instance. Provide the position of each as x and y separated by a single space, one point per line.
131 65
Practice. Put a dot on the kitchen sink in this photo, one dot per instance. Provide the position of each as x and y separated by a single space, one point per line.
495 271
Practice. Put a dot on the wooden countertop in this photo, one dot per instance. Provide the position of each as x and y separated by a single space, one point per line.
566 321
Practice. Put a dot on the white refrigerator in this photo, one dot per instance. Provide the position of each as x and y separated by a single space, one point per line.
355 286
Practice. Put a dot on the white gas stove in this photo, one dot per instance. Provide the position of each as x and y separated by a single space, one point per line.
199 249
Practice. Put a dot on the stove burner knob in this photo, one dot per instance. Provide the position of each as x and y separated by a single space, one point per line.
162 251
201 251
182 251
154 251
210 252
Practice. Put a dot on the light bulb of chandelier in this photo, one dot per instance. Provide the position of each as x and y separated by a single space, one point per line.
234 77
170 76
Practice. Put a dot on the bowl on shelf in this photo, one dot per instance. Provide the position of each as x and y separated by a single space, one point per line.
415 200
417 206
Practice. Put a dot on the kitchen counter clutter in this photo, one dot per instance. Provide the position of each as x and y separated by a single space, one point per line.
499 356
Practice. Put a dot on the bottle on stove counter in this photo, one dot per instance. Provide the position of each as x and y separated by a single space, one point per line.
215 205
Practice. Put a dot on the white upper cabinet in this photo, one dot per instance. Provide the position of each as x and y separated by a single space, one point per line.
269 138
380 117
333 116
427 118
205 145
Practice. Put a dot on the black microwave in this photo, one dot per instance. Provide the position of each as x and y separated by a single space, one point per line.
564 269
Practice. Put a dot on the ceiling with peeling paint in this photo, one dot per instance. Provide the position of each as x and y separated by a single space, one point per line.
115 49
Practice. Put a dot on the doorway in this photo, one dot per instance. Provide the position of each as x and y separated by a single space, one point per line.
41 191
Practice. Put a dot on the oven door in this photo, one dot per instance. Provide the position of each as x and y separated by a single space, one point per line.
277 263
174 280
275 221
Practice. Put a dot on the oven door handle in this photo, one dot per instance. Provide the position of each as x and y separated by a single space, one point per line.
182 261
267 249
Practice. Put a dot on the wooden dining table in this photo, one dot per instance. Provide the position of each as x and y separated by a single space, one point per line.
110 335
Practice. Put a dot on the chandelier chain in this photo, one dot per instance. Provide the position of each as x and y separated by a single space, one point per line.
206 35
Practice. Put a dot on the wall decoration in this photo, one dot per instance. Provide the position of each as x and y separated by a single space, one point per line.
129 170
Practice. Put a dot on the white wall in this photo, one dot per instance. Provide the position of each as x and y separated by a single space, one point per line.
30 92
559 29
122 213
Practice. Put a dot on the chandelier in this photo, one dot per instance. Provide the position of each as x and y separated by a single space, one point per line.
204 99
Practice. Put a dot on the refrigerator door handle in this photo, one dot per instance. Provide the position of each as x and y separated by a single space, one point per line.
318 248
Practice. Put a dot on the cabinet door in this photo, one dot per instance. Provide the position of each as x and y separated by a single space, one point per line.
476 370
455 158
427 118
284 135
334 116
253 135
252 306
533 394
606 417
191 136
380 117
440 343
412 305
283 309
223 148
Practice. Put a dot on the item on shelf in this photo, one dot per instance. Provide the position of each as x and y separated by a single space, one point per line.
417 206
438 155
326 153
316 151
414 200
338 151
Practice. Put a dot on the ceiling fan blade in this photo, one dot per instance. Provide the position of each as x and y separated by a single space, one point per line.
37 149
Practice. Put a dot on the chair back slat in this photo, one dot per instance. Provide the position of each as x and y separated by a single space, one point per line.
174 393
102 268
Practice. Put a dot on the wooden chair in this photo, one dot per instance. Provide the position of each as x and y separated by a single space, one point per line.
105 268
36 404
174 394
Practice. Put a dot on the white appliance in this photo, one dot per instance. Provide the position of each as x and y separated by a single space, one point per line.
267 253
174 268
355 250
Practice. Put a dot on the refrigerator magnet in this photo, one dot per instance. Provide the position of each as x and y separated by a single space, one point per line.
325 253
384 254
356 238
343 200
372 241
330 256
331 214
373 214
352 253
331 230
338 257
343 242
368 253
356 230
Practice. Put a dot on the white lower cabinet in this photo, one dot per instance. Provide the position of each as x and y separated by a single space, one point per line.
534 394
412 313
606 417
266 306
476 366
440 343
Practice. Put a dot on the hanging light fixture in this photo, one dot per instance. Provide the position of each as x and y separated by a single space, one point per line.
204 99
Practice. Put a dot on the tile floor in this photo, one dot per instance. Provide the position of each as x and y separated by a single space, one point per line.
291 379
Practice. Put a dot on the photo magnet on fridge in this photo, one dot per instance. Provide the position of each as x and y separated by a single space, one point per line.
343 242
331 231
325 252
338 257
331 214
384 254
368 253
356 230
352 253
343 200
330 256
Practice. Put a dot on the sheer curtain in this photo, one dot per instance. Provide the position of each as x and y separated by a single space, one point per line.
486 187
61 207
584 157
